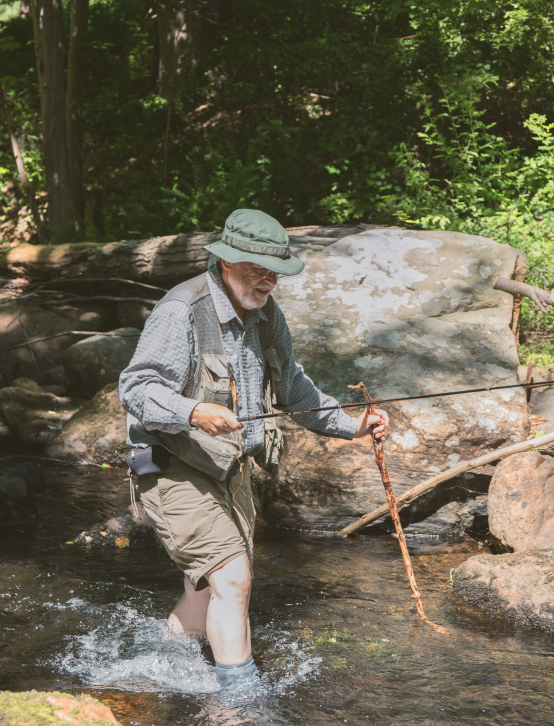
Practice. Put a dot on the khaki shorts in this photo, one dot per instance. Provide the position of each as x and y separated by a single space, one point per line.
203 523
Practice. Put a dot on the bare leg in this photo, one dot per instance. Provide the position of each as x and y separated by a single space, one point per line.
189 614
227 624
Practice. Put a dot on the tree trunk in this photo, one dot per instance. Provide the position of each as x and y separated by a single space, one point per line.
21 168
186 30
175 46
76 76
47 22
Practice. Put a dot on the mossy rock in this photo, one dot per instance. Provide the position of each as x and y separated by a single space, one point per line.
31 708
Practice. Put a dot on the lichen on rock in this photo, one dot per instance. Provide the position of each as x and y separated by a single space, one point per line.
408 313
33 708
519 586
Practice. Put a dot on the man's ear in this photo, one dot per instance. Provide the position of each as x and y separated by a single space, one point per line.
225 265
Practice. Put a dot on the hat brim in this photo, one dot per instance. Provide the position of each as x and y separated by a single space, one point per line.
291 266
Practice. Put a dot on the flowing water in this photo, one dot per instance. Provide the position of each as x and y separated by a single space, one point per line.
334 630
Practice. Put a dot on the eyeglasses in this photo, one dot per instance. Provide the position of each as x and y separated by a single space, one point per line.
262 271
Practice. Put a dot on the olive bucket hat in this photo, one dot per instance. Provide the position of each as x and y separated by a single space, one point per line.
253 236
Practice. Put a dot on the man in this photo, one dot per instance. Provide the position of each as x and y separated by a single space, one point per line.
217 348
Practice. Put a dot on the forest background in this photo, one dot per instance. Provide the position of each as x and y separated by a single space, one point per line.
140 118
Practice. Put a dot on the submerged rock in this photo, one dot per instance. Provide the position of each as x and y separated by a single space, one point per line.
96 434
32 708
18 503
31 473
94 362
122 529
32 415
408 313
518 585
521 501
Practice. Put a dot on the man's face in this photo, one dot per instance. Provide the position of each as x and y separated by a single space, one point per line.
250 283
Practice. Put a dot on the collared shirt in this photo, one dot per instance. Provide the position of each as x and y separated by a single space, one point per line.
166 357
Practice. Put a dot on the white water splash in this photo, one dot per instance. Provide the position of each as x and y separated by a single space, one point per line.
134 652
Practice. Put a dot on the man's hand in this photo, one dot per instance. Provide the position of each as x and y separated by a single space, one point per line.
365 422
214 420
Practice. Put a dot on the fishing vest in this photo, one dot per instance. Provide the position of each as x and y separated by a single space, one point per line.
211 383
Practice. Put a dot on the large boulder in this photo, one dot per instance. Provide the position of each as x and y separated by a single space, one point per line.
521 501
519 586
32 415
408 313
94 362
96 434
21 322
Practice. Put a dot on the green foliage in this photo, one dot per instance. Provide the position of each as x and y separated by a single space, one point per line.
432 115
484 187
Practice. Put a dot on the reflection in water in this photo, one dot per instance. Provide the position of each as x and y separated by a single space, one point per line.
334 630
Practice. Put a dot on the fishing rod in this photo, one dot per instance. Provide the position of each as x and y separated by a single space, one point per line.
394 400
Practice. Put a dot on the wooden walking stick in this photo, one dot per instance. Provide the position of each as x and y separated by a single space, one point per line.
382 464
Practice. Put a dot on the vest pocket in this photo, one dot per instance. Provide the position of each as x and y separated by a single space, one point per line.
221 398
215 386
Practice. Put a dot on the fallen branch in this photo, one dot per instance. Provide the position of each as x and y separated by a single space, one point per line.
534 293
382 465
72 297
97 280
70 332
425 486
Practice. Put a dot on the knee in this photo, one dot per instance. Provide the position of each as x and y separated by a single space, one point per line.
233 579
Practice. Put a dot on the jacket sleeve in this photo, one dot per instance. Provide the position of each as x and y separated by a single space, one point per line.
164 361
297 392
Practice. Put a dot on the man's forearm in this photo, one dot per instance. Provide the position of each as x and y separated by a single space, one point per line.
150 387
157 407
303 394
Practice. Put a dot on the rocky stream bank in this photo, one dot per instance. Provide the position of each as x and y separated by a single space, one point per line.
407 312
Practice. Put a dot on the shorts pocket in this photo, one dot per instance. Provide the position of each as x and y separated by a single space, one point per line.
188 512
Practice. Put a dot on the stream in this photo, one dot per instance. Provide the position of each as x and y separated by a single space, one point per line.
333 627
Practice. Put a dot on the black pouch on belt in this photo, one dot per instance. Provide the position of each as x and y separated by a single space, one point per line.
149 460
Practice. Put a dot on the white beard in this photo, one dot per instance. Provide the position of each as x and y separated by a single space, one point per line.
249 302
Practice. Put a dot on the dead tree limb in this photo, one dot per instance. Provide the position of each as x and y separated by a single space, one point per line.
98 280
73 298
425 486
382 465
88 333
534 293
